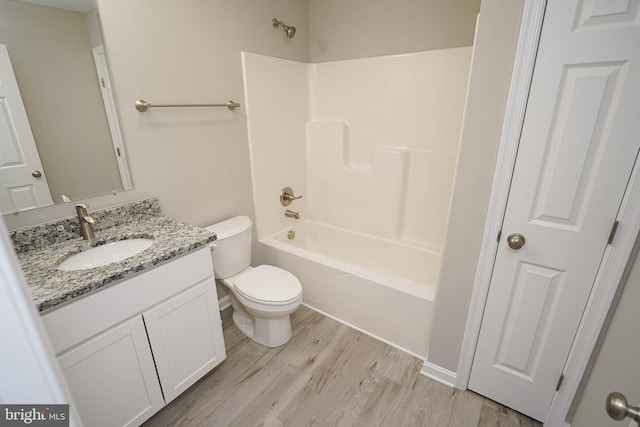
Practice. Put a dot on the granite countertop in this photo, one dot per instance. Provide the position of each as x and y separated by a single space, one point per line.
51 287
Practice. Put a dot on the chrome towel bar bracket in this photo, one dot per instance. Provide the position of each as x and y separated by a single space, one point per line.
142 105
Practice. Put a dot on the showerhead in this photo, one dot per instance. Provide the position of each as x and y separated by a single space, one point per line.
289 31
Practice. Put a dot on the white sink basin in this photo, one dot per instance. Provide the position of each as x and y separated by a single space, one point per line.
105 254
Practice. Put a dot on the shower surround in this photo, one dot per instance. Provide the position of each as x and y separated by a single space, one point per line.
371 144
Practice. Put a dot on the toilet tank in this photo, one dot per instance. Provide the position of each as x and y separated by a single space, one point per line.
232 252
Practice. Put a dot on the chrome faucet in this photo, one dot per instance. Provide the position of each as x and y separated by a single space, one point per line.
85 222
291 214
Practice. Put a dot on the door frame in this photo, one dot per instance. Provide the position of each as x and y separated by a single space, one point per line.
615 258
102 70
31 373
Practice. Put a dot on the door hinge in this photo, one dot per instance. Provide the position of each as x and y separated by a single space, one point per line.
612 233
102 81
499 234
559 382
118 151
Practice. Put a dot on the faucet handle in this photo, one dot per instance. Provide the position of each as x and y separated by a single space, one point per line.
287 196
81 210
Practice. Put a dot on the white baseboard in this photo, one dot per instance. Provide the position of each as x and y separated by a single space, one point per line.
224 302
438 373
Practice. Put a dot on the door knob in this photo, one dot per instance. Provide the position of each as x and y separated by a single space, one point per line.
36 174
618 408
515 241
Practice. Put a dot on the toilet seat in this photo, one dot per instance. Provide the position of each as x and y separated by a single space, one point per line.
268 285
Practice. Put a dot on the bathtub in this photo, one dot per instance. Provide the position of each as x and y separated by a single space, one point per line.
384 288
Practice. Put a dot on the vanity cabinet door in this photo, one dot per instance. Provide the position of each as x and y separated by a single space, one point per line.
185 334
112 378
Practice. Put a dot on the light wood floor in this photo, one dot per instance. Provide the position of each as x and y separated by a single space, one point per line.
327 375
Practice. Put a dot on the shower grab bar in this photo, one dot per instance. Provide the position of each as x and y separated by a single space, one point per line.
142 105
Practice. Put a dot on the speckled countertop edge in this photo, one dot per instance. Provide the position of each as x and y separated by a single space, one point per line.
51 287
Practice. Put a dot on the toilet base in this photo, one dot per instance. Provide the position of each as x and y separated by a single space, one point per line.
267 332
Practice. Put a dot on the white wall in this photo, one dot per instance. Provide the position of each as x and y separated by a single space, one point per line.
347 29
494 51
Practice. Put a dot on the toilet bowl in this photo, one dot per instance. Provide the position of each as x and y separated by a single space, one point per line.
262 297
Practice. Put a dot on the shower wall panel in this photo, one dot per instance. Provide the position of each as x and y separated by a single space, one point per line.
370 200
276 97
380 147
410 104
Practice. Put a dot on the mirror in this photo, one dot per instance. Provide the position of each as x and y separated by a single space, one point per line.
61 71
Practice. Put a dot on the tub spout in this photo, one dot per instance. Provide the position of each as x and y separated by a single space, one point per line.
291 214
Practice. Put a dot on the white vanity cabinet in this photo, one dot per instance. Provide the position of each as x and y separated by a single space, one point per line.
130 348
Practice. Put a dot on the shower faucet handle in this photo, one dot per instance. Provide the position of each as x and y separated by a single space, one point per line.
287 196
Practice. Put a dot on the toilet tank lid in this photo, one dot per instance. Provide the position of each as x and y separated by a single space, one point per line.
230 227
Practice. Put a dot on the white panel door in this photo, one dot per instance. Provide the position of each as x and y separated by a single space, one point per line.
112 378
20 186
186 339
578 146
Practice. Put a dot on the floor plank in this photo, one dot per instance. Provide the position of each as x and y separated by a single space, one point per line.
327 375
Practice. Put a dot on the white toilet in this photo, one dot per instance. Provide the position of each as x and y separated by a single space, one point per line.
262 297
